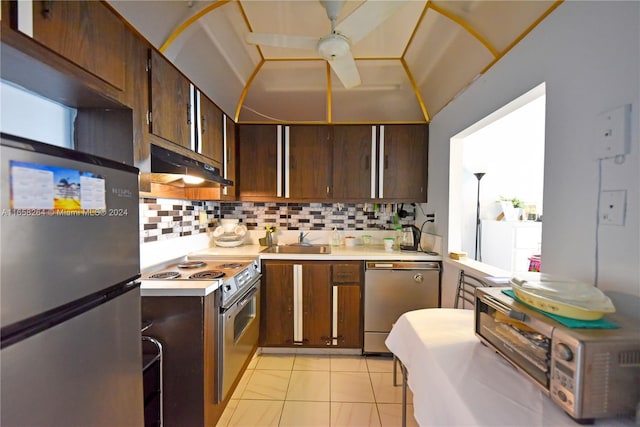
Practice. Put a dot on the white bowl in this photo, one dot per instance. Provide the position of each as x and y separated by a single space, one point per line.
229 225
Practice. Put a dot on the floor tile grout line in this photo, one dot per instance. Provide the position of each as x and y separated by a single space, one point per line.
375 398
330 402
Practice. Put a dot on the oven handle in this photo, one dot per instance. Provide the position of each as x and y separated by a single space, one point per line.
503 308
247 297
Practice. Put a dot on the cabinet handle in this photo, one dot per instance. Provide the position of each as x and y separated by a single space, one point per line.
47 8
334 315
228 156
366 163
328 189
334 340
386 161
204 124
188 113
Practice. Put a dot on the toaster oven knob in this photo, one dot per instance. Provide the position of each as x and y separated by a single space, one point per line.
562 395
564 352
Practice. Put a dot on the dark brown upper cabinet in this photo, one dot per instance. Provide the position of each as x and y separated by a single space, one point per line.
343 163
353 162
260 168
85 32
308 163
278 162
171 114
403 163
211 126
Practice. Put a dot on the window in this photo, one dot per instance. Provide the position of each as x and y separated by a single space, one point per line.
508 147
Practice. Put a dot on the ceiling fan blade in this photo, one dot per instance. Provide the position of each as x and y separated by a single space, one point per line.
346 70
367 17
282 40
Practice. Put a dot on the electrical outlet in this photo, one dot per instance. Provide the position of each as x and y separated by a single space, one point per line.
613 206
613 132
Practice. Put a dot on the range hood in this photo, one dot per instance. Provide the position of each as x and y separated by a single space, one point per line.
168 167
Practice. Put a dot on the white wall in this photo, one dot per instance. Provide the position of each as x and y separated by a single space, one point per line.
31 116
588 53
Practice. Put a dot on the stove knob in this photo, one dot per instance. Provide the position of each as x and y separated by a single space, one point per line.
227 288
564 352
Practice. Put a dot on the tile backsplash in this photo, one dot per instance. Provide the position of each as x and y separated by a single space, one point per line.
163 219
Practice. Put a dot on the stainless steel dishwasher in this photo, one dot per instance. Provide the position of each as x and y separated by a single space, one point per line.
391 289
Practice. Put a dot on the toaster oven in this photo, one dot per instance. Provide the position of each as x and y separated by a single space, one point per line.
589 373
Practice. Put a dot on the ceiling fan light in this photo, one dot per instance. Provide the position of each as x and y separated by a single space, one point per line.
333 46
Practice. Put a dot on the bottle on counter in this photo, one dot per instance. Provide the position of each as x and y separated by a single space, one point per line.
336 237
397 238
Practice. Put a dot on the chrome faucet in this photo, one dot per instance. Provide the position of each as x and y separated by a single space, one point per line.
301 238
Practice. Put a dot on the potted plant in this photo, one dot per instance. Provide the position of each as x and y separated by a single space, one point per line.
267 240
512 208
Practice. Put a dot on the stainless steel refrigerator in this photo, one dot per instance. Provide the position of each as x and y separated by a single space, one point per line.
70 351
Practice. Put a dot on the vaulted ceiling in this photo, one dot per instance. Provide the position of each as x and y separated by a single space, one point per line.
411 65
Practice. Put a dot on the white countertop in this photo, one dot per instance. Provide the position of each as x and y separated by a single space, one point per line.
372 252
204 288
178 288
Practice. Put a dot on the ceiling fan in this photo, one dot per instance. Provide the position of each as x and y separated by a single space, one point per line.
335 47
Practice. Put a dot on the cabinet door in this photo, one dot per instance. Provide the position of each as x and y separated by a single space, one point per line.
230 156
347 304
211 130
276 321
310 156
258 161
348 315
352 162
316 303
405 163
170 104
85 32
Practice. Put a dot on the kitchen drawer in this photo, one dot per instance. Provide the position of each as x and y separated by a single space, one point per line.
347 272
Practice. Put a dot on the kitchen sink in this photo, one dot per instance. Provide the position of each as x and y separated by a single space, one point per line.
298 249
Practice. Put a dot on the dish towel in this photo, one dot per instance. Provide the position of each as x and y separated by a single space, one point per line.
567 321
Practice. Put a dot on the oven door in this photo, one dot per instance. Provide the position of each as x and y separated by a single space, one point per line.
524 346
238 337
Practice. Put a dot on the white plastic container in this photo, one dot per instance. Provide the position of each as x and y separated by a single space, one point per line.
568 298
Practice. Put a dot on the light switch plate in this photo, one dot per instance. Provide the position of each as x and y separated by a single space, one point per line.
613 129
613 206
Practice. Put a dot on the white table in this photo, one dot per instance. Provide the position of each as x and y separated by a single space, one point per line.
457 381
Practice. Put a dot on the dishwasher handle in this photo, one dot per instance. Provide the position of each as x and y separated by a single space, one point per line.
402 265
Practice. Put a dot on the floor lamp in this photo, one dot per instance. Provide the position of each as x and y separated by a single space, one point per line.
478 254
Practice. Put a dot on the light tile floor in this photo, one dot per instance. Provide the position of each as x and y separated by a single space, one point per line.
317 390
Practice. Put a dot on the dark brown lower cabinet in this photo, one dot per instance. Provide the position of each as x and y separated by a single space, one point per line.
349 318
186 327
303 305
